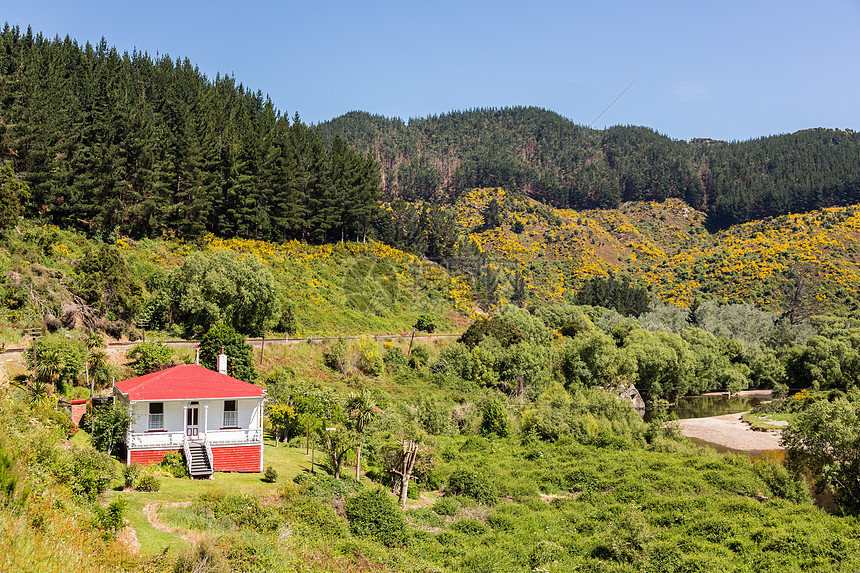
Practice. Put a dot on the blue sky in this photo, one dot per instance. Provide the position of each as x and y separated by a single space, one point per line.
731 70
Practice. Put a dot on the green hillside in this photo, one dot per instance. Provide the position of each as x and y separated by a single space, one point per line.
63 279
668 248
549 158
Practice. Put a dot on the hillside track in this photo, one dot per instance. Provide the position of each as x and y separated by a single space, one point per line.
117 347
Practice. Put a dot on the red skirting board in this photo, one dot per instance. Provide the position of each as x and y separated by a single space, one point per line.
147 457
238 458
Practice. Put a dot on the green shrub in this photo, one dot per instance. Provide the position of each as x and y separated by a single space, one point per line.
501 521
109 427
317 514
419 357
435 417
203 557
455 359
781 482
393 359
8 480
335 355
59 359
324 486
174 463
369 361
246 511
110 519
451 539
130 474
373 513
426 323
494 419
424 517
470 526
362 354
545 552
446 506
147 357
505 332
87 472
270 475
473 485
148 482
430 481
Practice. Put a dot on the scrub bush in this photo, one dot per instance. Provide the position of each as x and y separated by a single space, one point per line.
270 475
88 473
494 419
317 514
130 474
246 511
174 463
148 482
473 485
424 517
419 357
204 556
110 519
470 526
446 506
374 514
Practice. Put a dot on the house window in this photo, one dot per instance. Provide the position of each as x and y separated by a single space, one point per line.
231 414
156 416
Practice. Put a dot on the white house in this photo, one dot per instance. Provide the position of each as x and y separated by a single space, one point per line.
214 418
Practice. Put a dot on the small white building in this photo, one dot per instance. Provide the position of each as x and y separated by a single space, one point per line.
217 420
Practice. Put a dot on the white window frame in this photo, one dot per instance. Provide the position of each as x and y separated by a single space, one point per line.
231 417
155 419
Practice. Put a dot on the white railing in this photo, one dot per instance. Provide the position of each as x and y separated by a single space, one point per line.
186 449
171 440
175 440
211 460
241 436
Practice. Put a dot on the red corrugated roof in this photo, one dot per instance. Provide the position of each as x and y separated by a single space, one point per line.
187 382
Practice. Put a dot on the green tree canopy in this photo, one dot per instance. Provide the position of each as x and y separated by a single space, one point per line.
14 194
825 439
105 282
240 358
59 359
224 287
149 357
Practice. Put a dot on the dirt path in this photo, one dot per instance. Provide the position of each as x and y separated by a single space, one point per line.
151 513
730 431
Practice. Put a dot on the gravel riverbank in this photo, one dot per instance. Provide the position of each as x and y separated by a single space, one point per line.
730 431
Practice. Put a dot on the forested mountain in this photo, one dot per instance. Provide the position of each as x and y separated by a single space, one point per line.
111 142
125 143
567 165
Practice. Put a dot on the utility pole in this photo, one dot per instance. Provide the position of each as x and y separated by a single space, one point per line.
262 346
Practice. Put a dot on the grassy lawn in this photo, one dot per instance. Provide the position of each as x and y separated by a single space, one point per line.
288 462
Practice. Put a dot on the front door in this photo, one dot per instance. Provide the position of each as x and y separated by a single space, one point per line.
192 422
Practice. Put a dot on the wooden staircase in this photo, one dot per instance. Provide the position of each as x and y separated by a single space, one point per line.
199 464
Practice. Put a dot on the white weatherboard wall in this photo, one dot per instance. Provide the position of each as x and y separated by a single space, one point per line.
247 413
173 417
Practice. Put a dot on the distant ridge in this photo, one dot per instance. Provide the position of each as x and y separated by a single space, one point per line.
561 163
